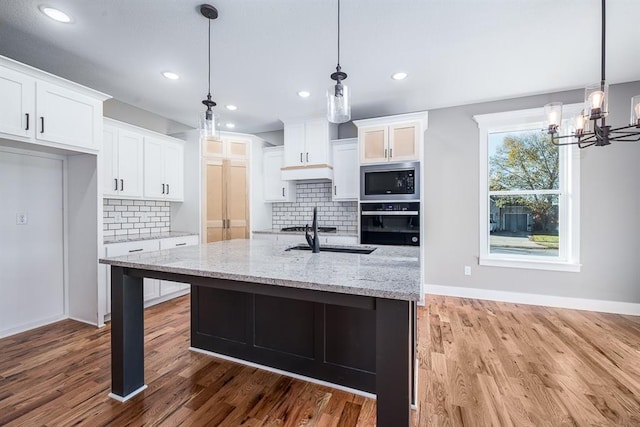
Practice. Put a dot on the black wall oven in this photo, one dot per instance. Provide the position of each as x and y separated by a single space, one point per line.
390 223
398 181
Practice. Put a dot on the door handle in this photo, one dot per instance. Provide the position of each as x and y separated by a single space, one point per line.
116 180
27 115
162 188
121 184
41 124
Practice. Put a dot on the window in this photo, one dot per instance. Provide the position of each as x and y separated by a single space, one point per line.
529 193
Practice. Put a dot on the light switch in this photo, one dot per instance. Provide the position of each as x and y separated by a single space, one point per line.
21 218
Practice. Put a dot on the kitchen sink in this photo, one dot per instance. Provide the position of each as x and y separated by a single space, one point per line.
341 249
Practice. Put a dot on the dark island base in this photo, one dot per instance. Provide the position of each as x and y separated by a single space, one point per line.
357 341
324 341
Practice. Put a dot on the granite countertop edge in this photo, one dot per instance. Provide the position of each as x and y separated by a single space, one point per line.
363 291
293 233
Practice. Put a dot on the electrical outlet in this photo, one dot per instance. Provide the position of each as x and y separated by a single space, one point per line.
21 218
467 270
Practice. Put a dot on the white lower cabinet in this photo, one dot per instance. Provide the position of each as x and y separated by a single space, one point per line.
155 291
167 287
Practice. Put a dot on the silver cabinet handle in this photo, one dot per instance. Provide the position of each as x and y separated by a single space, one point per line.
282 191
27 115
335 190
41 124
135 250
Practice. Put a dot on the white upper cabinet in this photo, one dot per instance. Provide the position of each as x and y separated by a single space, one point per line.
42 109
275 189
345 169
122 162
67 117
163 169
17 108
307 152
391 139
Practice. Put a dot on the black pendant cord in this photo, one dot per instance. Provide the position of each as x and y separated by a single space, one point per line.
339 35
209 50
603 45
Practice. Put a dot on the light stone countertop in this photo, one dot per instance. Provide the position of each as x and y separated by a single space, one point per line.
145 236
389 272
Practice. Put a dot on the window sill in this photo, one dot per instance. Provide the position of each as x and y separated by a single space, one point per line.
531 264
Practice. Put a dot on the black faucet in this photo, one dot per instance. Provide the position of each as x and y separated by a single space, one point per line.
313 242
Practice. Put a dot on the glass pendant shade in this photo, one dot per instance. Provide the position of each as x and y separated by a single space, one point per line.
635 110
338 103
596 101
208 126
553 112
579 121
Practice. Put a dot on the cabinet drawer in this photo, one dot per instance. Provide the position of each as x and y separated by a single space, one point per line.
126 248
174 242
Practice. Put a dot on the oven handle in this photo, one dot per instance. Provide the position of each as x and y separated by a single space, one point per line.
395 213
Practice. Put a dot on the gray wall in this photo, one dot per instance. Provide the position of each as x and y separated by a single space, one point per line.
610 207
127 113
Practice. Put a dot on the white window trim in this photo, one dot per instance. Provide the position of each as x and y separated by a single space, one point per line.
569 258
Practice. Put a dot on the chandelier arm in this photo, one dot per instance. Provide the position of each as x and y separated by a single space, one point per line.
626 138
620 129
554 141
581 146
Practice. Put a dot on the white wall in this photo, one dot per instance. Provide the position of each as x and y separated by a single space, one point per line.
610 210
31 255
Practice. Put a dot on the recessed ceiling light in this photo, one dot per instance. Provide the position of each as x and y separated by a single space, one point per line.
169 75
55 14
232 107
304 94
399 76
230 125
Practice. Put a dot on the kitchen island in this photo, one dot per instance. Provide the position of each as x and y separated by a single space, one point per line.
343 318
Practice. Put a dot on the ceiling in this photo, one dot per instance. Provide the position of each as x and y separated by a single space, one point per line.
263 52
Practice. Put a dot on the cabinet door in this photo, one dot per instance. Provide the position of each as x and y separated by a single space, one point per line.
345 172
374 144
214 201
153 164
403 142
294 145
236 175
174 171
274 187
236 149
130 164
316 137
110 184
17 108
66 117
168 287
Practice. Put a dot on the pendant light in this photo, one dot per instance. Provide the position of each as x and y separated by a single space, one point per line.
590 126
338 102
208 120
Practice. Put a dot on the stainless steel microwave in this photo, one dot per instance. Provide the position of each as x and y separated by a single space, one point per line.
398 181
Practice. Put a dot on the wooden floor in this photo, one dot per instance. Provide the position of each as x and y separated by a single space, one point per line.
480 363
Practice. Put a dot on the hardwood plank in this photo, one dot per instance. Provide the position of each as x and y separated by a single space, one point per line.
479 363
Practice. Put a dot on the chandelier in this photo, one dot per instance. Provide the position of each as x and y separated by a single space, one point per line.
590 125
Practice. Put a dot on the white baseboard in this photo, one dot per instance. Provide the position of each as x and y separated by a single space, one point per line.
603 306
31 325
86 322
